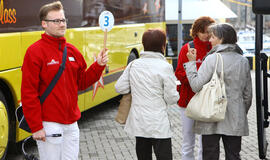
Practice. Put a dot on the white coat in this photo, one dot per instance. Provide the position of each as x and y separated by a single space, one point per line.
153 88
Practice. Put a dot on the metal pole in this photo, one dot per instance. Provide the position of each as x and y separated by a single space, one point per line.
262 143
179 27
245 16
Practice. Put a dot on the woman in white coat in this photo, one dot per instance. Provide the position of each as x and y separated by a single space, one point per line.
238 85
152 84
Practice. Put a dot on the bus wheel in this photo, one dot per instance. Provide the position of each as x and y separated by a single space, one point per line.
132 56
4 127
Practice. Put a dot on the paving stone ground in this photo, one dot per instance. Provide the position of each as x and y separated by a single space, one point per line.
101 138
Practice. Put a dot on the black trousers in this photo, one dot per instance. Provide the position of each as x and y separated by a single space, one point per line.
162 148
211 149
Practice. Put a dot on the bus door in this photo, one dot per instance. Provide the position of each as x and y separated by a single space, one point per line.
261 7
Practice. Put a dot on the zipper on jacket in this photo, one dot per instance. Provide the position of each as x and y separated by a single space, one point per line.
60 46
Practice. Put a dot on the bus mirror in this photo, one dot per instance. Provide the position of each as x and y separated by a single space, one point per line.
261 6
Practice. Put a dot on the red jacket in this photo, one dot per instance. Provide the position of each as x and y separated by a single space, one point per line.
41 63
185 90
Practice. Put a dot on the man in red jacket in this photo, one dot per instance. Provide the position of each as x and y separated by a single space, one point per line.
59 112
202 45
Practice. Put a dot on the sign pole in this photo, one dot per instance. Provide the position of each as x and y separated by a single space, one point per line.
105 39
106 22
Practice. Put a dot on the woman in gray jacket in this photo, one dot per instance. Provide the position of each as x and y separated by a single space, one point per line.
152 84
238 90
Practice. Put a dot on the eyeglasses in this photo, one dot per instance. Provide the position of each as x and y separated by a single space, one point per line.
56 21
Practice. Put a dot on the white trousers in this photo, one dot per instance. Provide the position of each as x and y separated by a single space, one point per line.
188 143
65 147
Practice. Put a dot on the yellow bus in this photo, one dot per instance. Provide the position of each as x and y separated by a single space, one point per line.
20 27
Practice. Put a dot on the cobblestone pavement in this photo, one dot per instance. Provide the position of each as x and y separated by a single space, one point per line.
101 138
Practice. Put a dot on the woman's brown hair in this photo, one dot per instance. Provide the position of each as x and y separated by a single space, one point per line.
200 25
154 40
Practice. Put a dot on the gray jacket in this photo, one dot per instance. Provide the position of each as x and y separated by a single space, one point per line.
152 83
238 89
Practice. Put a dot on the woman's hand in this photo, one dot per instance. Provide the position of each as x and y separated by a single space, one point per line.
192 53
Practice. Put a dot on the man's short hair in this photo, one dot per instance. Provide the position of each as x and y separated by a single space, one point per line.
154 40
225 32
200 25
44 10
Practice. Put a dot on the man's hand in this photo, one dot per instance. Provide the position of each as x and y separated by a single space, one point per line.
102 57
39 135
192 53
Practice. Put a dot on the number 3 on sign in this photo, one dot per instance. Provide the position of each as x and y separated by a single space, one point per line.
106 21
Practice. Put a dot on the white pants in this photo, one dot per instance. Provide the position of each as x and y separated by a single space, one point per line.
65 147
188 143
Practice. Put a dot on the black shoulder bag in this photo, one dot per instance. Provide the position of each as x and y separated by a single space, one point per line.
191 44
19 112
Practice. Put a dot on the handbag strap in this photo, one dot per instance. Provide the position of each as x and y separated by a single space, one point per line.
55 78
219 57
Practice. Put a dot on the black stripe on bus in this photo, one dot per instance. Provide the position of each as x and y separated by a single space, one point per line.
108 79
4 70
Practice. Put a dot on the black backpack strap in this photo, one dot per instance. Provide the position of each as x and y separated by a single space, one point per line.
55 78
191 44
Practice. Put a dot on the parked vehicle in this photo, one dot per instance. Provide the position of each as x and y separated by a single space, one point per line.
246 41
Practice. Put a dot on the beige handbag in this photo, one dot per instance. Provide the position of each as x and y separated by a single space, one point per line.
124 107
210 103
